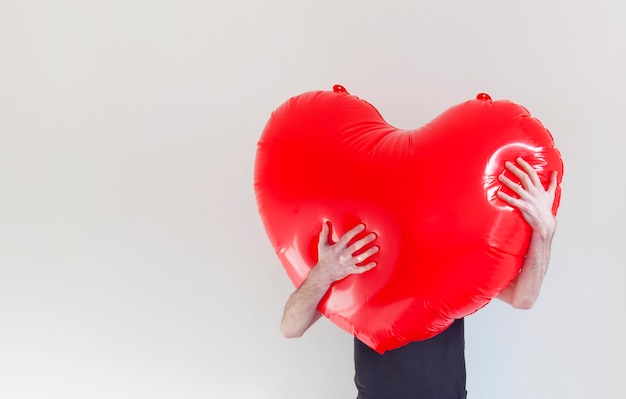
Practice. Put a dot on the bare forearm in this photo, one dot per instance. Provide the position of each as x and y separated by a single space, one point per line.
525 289
301 309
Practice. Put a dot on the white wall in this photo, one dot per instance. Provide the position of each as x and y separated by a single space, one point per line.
133 263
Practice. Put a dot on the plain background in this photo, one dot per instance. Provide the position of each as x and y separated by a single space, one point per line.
133 263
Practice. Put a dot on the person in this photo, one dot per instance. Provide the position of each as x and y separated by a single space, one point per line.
434 368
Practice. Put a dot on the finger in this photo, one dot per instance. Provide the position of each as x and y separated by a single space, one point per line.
346 238
519 190
323 241
553 182
520 174
364 268
362 242
530 171
366 254
514 202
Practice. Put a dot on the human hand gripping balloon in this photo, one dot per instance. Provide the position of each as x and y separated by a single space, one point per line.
534 202
337 261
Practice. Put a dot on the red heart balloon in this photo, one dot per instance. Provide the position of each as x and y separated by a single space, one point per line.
448 245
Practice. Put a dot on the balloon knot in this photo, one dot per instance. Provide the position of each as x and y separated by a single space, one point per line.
339 89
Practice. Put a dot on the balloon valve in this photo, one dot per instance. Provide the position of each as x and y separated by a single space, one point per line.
483 96
339 89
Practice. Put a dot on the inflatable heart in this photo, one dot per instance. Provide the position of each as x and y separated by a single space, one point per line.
448 245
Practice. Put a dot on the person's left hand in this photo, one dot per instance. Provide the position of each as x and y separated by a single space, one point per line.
534 202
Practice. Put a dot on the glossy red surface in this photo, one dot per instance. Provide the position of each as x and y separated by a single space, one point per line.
448 245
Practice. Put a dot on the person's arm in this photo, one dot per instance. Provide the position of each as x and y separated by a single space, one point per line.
535 204
335 262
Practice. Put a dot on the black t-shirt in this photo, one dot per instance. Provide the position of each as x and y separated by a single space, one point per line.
430 369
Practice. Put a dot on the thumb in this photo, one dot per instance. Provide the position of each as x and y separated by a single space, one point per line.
553 182
323 238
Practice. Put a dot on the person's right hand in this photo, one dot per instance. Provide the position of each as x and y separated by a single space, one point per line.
337 261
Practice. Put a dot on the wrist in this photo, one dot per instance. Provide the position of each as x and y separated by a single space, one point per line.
319 277
546 230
